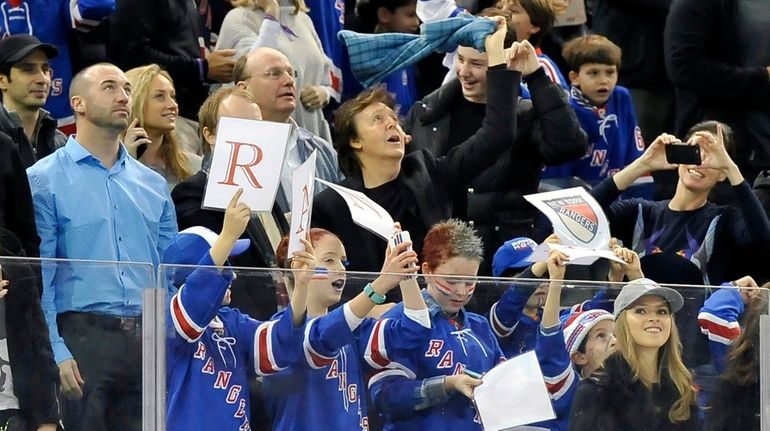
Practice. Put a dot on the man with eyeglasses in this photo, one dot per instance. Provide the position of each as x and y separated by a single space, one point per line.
25 81
267 74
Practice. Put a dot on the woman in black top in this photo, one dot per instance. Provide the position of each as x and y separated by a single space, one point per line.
644 385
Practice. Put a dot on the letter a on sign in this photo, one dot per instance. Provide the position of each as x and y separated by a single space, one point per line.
248 154
301 202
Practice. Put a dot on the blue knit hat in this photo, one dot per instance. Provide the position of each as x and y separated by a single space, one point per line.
513 254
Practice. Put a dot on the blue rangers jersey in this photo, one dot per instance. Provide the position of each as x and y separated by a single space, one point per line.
402 85
212 353
614 137
452 346
560 376
327 385
328 19
51 21
719 320
516 331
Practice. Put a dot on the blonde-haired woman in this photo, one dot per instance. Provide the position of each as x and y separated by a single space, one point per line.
285 25
644 385
151 138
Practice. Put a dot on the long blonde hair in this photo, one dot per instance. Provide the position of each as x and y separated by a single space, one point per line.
170 152
669 359
299 5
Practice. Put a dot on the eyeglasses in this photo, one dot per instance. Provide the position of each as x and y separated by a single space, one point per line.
277 73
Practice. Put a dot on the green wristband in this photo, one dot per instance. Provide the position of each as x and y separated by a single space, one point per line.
374 296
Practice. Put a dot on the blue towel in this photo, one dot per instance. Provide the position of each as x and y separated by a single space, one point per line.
375 56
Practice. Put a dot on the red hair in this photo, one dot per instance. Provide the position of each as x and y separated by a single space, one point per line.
448 239
282 251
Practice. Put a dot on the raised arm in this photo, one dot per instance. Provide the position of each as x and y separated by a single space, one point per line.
464 162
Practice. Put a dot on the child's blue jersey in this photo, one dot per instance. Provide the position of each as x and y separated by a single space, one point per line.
719 320
560 376
614 137
452 346
325 389
212 353
516 331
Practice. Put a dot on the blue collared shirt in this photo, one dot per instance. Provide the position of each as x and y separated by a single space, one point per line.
86 211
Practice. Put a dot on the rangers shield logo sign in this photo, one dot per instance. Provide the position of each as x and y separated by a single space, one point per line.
577 215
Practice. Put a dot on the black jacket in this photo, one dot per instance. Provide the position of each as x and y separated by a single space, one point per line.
431 180
762 190
612 400
35 374
702 50
636 26
547 133
164 32
49 138
17 213
255 297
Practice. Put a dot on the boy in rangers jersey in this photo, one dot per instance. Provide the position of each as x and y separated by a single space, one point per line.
425 388
212 351
330 377
604 109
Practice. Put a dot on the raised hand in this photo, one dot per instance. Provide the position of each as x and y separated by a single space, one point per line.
557 264
135 136
494 43
632 267
221 64
237 216
522 57
303 263
398 260
654 157
313 97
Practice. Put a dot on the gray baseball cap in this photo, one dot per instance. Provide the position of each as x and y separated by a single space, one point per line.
636 289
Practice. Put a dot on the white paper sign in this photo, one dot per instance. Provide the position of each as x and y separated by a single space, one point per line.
513 394
577 256
248 154
576 217
365 212
302 184
580 223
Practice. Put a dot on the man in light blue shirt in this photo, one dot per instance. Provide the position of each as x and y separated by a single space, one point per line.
92 201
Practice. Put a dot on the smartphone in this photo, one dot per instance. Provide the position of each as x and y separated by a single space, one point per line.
140 150
401 237
683 154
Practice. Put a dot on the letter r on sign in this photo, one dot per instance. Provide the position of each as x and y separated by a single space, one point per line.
255 158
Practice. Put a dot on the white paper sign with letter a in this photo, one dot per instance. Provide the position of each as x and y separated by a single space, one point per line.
364 211
248 154
301 203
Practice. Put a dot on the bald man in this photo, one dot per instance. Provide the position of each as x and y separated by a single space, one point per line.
92 201
267 74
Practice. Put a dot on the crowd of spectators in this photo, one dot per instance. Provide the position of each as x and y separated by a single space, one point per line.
109 119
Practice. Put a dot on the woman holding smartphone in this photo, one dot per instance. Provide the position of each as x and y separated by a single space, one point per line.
150 138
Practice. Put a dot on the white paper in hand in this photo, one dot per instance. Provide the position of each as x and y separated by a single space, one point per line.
365 212
248 154
513 394
577 255
301 202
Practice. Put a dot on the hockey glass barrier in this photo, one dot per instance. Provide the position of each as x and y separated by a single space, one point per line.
235 349
87 317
